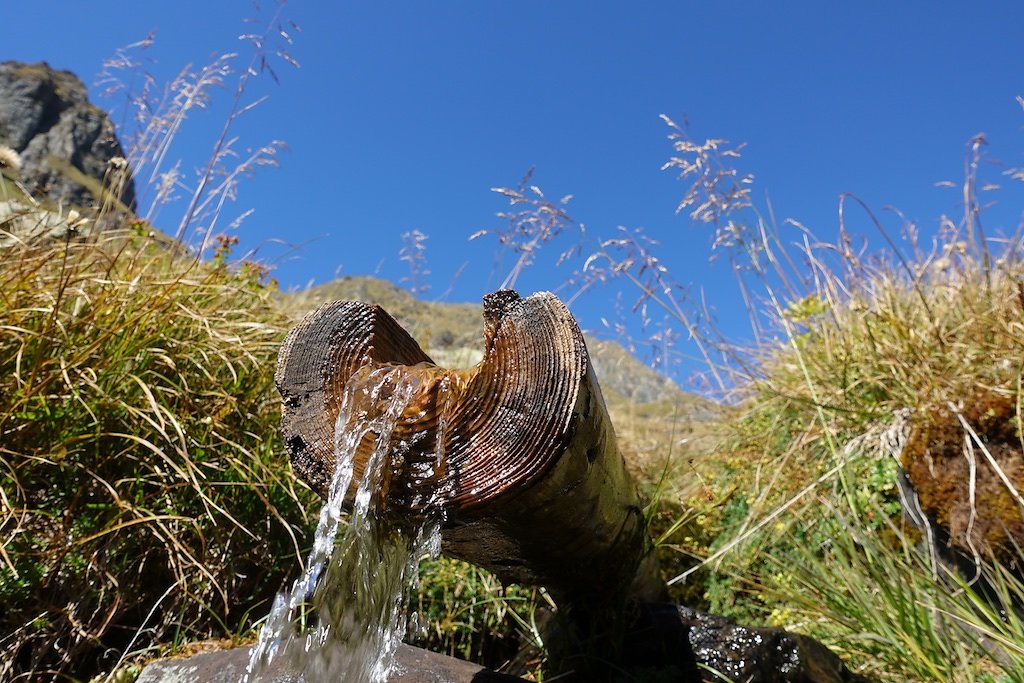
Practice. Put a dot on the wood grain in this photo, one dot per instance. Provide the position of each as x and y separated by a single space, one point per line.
533 485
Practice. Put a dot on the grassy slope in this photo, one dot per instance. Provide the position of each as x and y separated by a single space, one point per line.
142 484
140 449
866 362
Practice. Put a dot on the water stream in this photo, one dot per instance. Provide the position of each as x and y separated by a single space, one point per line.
343 618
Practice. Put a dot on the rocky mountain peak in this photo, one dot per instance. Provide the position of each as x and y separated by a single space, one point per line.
56 134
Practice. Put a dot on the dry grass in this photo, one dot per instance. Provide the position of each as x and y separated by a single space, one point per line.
871 342
142 488
853 352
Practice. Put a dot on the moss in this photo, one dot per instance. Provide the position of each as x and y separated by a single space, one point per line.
938 463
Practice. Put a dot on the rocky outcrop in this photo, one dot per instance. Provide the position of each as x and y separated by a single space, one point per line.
65 146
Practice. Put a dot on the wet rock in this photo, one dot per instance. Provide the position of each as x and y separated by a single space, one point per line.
412 665
670 642
55 133
760 655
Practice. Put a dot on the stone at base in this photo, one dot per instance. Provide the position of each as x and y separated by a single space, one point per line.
412 665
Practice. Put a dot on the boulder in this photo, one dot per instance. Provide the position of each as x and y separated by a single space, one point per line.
760 654
62 144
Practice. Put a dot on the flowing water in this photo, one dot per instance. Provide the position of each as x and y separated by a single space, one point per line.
343 618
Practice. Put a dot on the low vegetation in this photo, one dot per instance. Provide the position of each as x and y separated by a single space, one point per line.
868 487
871 366
142 485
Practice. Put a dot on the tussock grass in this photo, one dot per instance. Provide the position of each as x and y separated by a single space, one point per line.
859 354
147 502
879 344
867 345
142 485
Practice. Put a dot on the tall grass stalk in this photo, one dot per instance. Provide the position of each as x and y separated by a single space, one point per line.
846 342
531 221
155 116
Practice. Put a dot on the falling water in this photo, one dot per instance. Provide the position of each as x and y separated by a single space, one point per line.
343 618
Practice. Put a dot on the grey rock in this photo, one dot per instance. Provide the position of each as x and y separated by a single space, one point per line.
46 117
412 665
20 222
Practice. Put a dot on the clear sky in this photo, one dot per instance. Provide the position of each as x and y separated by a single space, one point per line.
403 114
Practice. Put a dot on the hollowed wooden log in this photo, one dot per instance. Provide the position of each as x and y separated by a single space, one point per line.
533 485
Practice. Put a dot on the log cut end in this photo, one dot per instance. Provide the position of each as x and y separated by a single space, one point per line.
532 482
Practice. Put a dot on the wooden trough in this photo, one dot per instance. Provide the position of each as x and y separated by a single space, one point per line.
533 485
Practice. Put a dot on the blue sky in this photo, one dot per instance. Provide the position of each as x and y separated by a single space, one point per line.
403 115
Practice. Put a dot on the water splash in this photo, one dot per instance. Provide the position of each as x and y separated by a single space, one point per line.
343 618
